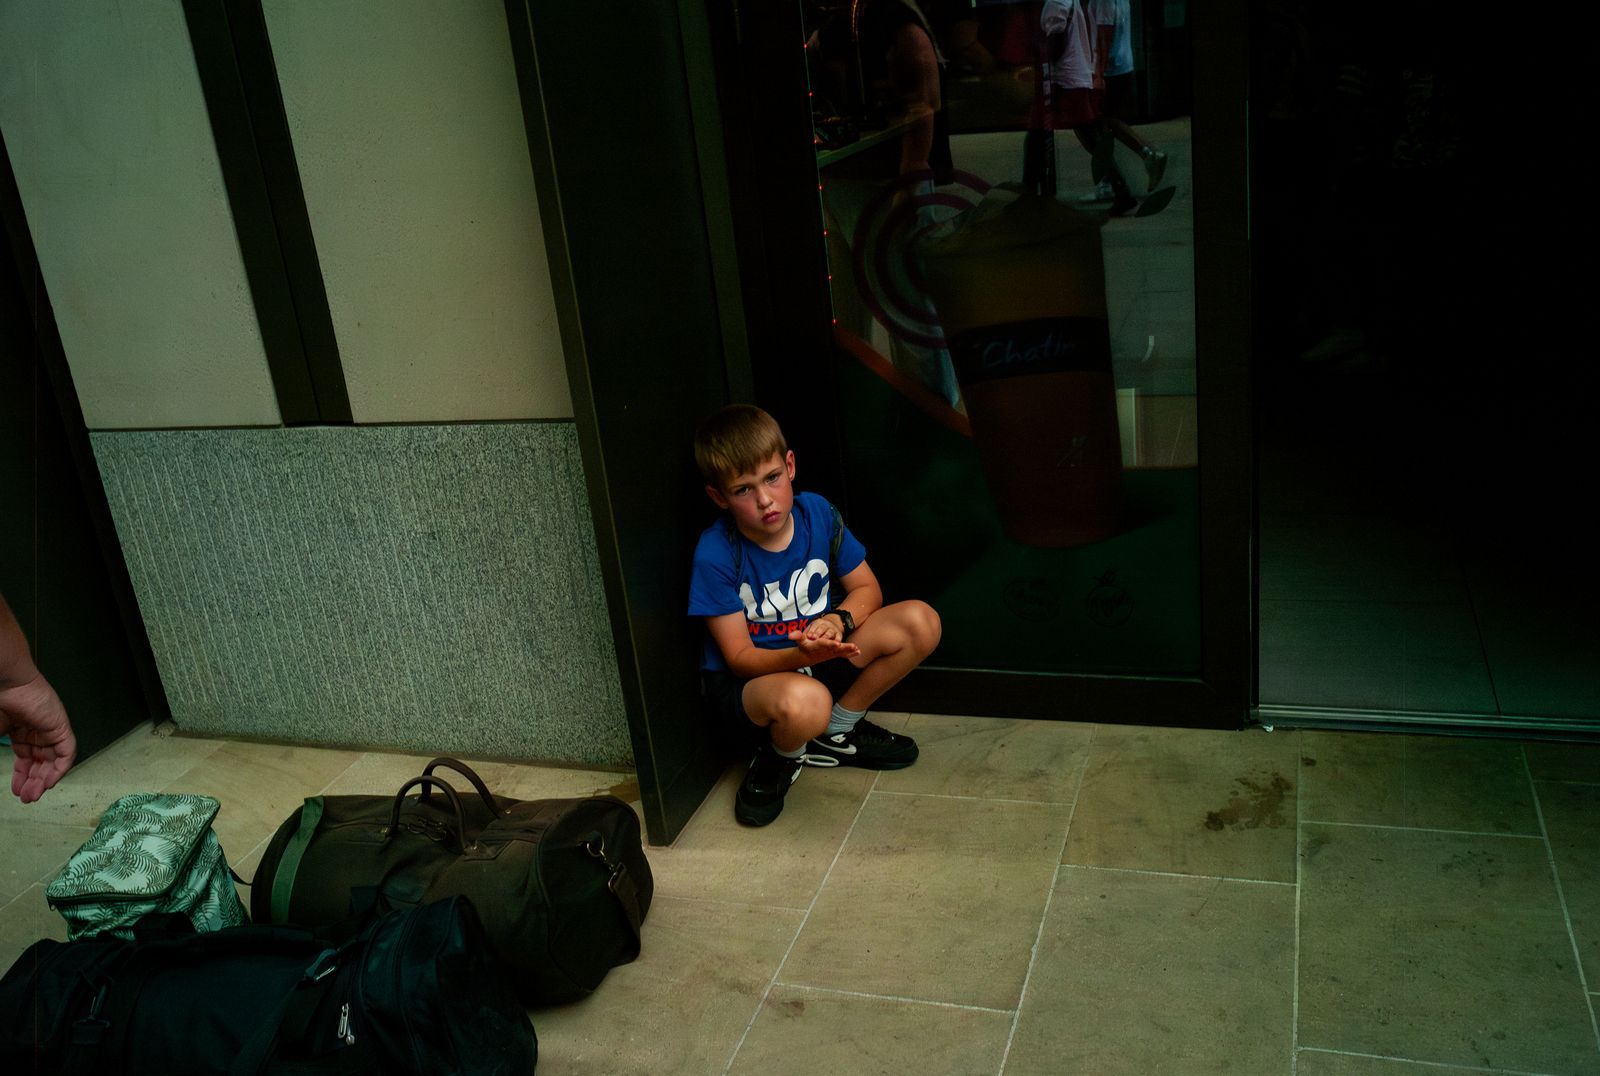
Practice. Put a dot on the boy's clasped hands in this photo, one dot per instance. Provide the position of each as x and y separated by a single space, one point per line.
823 640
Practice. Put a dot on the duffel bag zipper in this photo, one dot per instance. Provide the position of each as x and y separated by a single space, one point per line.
344 1031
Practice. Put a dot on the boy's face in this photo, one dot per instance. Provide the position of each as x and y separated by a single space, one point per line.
760 500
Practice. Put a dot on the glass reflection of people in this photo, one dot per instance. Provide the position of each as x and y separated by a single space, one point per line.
902 71
1114 52
31 714
1074 84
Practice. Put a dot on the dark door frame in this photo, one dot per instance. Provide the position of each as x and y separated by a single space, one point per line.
633 202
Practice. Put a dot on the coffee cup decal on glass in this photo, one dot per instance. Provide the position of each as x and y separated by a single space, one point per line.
1019 284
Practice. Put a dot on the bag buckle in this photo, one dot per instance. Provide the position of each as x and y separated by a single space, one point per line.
88 1030
596 847
323 966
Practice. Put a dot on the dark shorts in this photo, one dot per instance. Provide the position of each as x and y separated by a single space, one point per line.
1069 108
724 691
1120 97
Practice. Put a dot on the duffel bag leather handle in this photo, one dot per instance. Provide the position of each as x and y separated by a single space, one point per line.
450 794
466 771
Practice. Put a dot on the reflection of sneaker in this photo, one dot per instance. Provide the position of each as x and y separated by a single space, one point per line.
1124 205
1102 193
1155 163
870 746
760 797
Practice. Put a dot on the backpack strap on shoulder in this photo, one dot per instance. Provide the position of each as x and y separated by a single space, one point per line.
730 532
835 587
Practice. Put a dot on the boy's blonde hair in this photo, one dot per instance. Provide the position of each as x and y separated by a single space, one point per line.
736 440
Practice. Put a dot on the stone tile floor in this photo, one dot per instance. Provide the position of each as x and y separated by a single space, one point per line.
1038 897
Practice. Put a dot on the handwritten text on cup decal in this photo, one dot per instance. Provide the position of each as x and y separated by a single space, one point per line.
1032 599
1040 346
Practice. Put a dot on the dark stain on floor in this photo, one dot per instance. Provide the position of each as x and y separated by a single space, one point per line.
626 790
1256 805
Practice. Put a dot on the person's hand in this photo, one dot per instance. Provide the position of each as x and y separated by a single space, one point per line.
822 647
41 737
826 626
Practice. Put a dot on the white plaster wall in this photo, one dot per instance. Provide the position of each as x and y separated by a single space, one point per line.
107 131
408 130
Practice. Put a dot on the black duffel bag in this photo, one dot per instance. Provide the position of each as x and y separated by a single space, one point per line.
416 991
562 884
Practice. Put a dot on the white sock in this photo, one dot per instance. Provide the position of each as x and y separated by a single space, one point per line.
796 753
842 720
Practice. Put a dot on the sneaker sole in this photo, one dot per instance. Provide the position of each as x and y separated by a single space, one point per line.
757 816
827 761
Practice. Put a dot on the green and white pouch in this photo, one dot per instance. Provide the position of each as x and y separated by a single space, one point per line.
151 852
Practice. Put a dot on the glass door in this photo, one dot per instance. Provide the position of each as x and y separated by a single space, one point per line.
1010 207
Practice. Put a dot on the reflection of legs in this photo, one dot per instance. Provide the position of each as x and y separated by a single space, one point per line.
1119 102
1122 199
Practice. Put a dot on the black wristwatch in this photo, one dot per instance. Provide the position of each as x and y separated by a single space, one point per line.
846 619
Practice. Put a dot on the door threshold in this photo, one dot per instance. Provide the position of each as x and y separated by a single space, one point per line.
1439 723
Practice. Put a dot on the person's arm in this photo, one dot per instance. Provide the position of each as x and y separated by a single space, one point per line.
914 74
748 661
32 715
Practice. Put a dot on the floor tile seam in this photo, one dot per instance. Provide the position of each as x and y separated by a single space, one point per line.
868 995
1294 985
262 843
1172 874
1429 1064
1049 899
1566 781
6 907
1561 896
777 972
758 905
979 799
1422 829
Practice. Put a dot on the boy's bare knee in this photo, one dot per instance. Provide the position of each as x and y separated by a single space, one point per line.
924 626
803 705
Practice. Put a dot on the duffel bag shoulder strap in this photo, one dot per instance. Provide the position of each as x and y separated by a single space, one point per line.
291 1016
621 882
293 853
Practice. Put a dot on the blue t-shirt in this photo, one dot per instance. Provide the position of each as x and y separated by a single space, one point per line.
778 592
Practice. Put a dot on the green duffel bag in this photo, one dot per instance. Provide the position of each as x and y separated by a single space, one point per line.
150 852
562 885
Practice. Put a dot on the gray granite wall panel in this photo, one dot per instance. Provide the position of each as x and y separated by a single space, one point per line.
426 588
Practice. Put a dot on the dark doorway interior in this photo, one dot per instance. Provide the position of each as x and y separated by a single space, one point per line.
1426 452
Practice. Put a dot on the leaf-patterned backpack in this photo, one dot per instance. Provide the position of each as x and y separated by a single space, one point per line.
151 852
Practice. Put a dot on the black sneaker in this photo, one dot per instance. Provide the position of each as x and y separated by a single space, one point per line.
871 746
766 782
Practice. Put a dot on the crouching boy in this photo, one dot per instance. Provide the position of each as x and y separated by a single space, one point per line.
800 642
